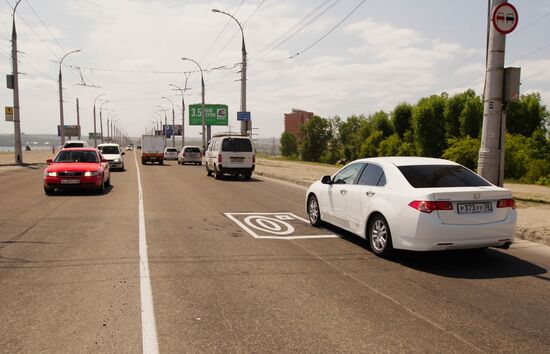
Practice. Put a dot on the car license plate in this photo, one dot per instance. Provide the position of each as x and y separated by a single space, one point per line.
70 181
237 159
475 208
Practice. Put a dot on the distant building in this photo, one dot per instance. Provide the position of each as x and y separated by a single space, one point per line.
294 120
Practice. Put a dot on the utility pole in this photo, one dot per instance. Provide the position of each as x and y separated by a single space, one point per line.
95 129
203 113
182 91
60 82
492 143
246 126
16 117
173 122
78 120
101 119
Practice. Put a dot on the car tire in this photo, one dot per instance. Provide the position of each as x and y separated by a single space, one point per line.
161 162
380 236
217 174
101 189
48 191
108 182
208 172
247 176
313 212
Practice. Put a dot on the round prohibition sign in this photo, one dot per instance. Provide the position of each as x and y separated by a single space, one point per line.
505 18
270 225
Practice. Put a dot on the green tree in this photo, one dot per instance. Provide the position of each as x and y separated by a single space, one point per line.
289 145
471 117
370 147
316 134
429 132
349 133
333 152
526 115
380 122
401 118
464 151
453 109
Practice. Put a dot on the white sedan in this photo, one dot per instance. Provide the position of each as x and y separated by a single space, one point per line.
414 203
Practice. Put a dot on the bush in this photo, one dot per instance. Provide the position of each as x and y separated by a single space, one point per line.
464 151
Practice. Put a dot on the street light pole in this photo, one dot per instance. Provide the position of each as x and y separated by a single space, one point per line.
182 109
95 129
173 122
202 105
246 126
16 117
101 119
61 117
165 123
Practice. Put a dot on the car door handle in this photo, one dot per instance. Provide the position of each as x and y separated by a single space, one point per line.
370 193
343 192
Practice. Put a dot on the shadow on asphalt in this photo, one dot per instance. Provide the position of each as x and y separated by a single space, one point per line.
230 178
81 193
466 264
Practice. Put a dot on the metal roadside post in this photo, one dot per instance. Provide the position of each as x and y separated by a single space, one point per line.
504 20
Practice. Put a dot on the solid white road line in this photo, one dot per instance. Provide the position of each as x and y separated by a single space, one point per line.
148 324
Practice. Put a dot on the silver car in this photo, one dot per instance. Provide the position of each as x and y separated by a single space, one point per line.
190 154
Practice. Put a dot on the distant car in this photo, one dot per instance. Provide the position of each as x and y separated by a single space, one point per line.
230 154
139 147
113 154
130 147
170 153
75 144
77 168
414 203
190 154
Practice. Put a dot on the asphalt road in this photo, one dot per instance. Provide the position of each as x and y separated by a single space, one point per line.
71 276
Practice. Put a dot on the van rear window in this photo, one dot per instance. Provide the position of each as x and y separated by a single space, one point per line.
192 149
236 145
441 176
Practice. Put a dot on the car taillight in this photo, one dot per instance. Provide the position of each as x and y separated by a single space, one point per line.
428 206
506 203
220 158
253 158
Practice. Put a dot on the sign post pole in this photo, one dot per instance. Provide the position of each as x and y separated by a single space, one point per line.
504 21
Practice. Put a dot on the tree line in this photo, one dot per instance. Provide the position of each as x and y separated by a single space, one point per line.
445 126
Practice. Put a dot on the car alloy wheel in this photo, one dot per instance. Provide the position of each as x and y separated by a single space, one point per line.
380 236
313 211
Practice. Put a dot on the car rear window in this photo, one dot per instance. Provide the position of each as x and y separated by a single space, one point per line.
73 145
441 176
192 150
236 145
172 150
108 150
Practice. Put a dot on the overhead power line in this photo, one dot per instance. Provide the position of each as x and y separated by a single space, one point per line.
323 36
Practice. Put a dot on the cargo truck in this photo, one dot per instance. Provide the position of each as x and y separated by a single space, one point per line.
152 149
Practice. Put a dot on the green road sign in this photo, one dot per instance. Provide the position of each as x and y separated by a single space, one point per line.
215 114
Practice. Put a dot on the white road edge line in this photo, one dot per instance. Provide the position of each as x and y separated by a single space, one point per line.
148 323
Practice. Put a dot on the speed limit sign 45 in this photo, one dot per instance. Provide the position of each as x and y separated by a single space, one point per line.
505 18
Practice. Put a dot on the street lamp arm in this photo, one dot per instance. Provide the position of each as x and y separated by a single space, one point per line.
98 96
238 23
63 57
15 8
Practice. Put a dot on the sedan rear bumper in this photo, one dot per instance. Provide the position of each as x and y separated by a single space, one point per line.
429 234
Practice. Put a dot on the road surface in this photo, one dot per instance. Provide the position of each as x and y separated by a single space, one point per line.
73 279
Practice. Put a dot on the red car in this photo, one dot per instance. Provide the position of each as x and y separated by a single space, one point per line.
77 168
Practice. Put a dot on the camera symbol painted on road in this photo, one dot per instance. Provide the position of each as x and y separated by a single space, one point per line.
281 225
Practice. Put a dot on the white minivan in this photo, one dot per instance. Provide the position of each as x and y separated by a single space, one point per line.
230 154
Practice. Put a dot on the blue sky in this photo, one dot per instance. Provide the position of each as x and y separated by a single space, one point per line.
385 53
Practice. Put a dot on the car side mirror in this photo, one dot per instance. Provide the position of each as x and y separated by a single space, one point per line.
326 180
49 161
104 160
123 153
